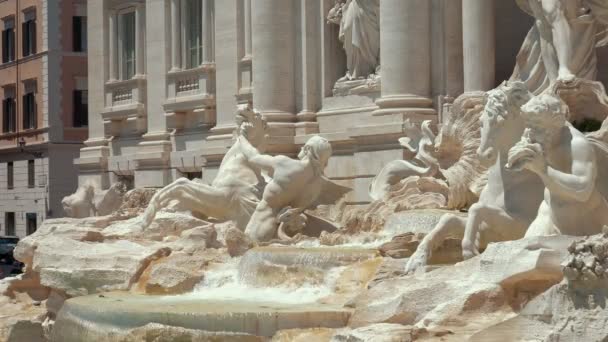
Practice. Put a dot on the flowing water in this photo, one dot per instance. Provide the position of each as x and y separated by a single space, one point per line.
266 290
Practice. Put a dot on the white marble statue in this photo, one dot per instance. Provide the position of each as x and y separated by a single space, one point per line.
565 160
450 156
424 164
234 193
80 203
359 22
509 201
295 186
89 200
561 44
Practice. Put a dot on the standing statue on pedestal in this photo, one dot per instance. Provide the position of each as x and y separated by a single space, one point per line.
561 44
359 22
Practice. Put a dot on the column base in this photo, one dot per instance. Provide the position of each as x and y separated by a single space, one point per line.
392 104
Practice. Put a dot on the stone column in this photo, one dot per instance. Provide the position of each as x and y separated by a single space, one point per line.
478 44
175 36
273 59
308 65
405 55
140 29
112 44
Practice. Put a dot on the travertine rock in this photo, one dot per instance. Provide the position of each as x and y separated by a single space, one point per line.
383 332
80 268
573 310
487 288
237 242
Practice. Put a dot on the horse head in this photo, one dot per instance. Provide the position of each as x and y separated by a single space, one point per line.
500 121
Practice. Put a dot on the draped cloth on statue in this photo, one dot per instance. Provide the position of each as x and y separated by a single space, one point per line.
360 33
537 63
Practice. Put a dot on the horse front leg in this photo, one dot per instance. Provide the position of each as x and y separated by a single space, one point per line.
449 225
162 196
499 225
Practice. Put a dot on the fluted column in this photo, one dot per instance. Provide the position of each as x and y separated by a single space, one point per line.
175 36
273 59
405 55
479 45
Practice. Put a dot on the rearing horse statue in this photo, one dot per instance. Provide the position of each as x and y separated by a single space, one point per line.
510 200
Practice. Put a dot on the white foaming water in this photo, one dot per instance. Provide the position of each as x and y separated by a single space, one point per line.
222 283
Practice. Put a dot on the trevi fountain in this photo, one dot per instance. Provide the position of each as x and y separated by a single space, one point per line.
493 228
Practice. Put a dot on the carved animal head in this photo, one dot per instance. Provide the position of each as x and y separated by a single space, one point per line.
318 149
501 104
80 203
545 115
252 125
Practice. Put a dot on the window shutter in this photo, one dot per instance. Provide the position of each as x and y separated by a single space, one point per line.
5 114
76 32
33 36
25 111
24 39
5 46
34 117
11 44
76 108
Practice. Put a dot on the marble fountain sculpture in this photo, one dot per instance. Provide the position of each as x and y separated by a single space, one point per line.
495 229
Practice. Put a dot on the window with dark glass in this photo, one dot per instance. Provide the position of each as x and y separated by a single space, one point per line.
31 223
127 45
9 175
8 45
9 115
29 111
31 173
194 47
9 224
81 108
28 35
79 34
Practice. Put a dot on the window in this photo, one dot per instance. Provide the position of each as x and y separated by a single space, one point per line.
9 114
126 40
194 175
9 224
29 111
31 173
9 175
81 108
79 34
28 34
193 39
31 223
8 41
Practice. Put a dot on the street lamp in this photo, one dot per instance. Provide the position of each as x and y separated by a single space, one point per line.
21 143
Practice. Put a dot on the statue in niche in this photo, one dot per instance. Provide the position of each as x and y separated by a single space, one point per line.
561 44
296 185
565 160
359 22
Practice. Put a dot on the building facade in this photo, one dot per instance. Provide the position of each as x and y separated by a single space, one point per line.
165 77
43 87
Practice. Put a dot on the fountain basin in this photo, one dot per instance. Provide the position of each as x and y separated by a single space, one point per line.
111 315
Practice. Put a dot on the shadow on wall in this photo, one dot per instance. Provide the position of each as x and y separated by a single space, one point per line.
512 26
